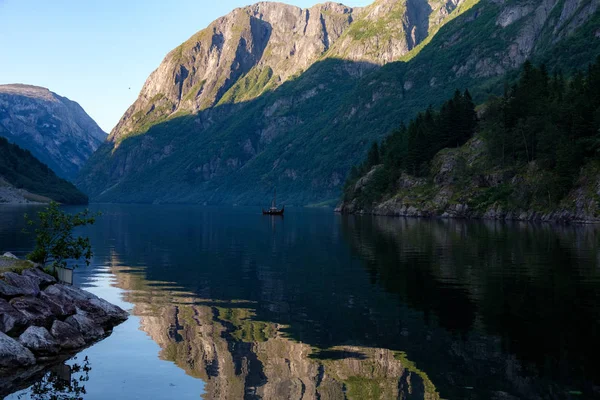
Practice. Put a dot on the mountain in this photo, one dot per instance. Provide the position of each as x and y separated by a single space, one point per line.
24 179
55 129
273 95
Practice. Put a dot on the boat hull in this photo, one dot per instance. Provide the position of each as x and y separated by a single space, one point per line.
273 212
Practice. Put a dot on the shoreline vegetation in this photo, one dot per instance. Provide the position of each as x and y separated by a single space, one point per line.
530 155
43 321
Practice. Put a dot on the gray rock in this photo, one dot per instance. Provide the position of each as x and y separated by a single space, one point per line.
10 255
101 311
35 311
14 354
10 318
42 277
70 292
67 336
27 284
61 306
39 340
85 325
8 291
113 313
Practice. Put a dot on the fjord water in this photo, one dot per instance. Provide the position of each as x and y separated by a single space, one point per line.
229 304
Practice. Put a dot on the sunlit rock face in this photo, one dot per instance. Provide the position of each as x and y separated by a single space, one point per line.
256 48
56 130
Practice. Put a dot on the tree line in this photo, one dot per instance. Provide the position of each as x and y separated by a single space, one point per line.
412 147
549 120
22 170
542 119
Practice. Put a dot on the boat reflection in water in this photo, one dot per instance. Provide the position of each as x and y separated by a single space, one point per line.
273 210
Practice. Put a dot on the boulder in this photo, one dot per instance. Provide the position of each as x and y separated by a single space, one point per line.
113 313
8 291
10 255
14 354
61 306
43 278
85 325
67 336
39 340
101 311
26 283
10 318
35 311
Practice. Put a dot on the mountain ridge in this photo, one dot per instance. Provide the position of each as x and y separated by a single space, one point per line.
54 128
236 151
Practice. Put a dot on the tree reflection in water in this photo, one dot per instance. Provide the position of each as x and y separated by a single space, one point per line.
62 381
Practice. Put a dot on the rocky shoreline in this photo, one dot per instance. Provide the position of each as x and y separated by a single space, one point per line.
43 322
462 211
460 186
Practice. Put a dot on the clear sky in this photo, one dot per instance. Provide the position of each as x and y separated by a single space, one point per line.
100 52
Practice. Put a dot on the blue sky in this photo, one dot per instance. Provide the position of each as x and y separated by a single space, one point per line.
100 52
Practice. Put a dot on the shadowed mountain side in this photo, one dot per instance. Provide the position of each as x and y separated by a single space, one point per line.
24 179
236 153
304 136
56 130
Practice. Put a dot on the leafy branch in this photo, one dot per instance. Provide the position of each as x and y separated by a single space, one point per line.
55 241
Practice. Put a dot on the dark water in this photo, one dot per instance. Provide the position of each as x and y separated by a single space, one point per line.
229 304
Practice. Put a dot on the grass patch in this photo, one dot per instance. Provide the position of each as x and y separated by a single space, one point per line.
10 264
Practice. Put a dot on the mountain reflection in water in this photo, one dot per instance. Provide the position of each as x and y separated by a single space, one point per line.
320 306
222 343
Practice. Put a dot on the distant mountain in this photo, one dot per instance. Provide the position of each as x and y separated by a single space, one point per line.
55 129
24 179
274 95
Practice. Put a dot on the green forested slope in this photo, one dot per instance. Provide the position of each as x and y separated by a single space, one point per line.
532 154
23 171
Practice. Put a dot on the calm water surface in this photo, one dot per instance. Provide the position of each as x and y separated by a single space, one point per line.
229 304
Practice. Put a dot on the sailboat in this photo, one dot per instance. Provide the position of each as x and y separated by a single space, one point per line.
274 210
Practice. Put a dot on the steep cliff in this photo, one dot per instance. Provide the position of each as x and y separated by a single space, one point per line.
55 129
272 95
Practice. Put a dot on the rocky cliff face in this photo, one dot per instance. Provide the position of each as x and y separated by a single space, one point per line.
55 129
257 48
260 45
268 93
